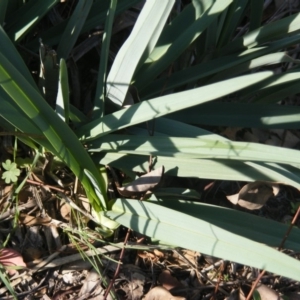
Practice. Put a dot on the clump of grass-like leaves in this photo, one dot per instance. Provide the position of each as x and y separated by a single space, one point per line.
172 68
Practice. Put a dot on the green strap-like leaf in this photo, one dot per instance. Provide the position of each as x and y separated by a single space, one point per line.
14 57
244 224
264 34
182 230
146 74
73 29
241 115
141 40
219 68
3 7
95 18
177 27
27 17
231 20
148 110
61 137
256 12
194 148
205 168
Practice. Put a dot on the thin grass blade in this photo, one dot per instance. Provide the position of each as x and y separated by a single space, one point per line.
5 280
62 101
98 110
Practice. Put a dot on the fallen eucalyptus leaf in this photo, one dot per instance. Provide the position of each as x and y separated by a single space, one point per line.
160 293
254 195
267 293
168 281
143 184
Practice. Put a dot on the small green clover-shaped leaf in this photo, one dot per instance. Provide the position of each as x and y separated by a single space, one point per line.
12 172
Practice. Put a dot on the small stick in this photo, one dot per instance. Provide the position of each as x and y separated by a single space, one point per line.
46 185
118 266
254 285
290 228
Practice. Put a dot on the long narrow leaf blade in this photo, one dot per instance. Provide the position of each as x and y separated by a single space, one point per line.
98 110
73 29
3 7
143 38
256 13
95 18
27 18
60 136
265 33
194 148
240 223
205 168
179 229
219 68
14 57
147 73
242 114
164 105
62 101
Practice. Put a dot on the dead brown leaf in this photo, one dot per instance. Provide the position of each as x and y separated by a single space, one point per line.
230 132
290 140
147 255
267 293
135 280
32 220
85 203
254 195
274 140
250 137
160 293
191 256
234 295
158 253
143 184
65 211
261 134
31 254
168 281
